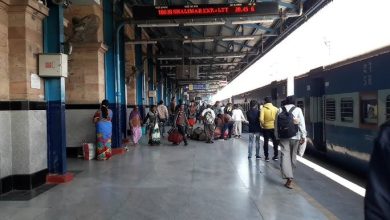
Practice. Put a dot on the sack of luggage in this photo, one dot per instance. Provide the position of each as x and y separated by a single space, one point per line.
286 126
174 136
202 136
195 133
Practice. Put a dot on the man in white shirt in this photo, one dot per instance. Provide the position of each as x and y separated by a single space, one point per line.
237 117
290 136
163 116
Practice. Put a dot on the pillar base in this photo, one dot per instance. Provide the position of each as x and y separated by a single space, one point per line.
57 179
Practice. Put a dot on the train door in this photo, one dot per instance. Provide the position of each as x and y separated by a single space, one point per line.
274 96
316 113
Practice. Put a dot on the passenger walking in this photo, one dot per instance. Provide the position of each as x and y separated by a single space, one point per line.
102 120
208 120
291 131
253 115
192 110
238 118
181 122
267 121
229 109
217 108
163 116
171 110
377 199
135 125
201 108
219 124
153 127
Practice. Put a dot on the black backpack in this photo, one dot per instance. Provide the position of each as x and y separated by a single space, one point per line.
286 127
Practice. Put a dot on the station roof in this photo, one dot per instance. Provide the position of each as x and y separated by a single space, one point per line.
216 40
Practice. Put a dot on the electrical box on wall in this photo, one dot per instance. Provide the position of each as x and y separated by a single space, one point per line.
53 65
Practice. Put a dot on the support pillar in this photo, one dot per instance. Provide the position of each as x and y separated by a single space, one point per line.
139 69
113 90
55 97
151 80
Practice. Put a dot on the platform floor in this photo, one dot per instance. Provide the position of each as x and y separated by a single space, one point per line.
200 181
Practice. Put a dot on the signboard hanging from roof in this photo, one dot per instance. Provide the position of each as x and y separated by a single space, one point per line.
205 10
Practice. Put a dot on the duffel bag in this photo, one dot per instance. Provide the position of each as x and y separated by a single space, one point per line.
175 137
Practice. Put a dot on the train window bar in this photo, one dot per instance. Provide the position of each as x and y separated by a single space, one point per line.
330 109
346 110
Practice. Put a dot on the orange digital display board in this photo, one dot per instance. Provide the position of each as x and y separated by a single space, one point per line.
205 10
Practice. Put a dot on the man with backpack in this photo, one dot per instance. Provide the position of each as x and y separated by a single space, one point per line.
267 120
208 120
291 131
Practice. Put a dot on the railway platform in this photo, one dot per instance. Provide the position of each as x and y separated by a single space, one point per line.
198 181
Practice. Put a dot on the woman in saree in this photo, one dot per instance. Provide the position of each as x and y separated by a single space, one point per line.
102 119
135 125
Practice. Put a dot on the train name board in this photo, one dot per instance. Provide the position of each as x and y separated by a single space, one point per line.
195 87
205 10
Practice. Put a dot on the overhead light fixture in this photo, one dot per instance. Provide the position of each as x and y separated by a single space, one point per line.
204 23
158 25
230 56
218 64
198 58
169 58
237 38
142 42
253 21
167 66
187 41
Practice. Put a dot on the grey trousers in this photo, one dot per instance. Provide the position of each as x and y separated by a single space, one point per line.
288 157
237 127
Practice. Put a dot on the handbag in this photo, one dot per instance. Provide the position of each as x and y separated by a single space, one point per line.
156 133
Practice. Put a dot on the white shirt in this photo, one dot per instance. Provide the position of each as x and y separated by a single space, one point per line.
162 111
237 115
298 116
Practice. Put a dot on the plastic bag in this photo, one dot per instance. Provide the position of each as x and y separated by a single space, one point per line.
302 148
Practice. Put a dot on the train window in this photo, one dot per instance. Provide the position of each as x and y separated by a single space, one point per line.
330 109
369 110
388 107
346 109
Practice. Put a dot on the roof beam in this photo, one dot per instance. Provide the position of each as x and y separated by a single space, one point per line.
213 55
